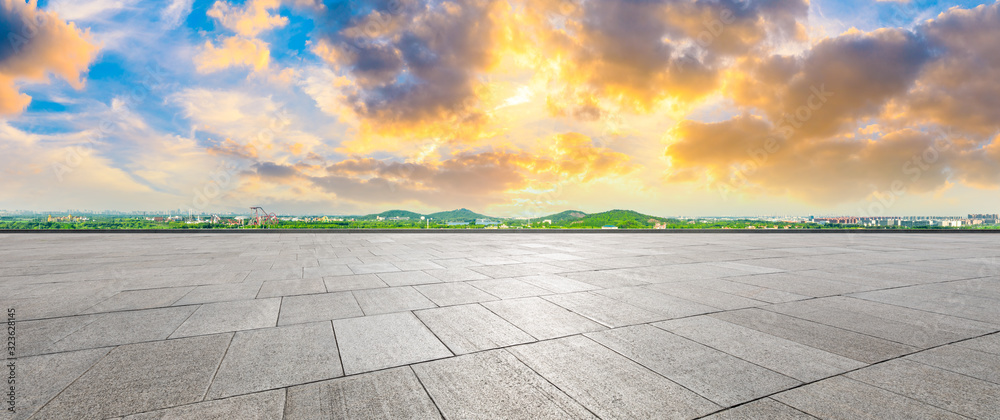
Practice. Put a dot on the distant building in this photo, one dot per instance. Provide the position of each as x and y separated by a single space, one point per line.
609 227
486 222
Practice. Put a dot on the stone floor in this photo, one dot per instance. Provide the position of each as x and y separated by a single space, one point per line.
617 325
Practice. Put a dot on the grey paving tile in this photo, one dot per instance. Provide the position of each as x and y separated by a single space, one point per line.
319 307
750 291
407 278
842 398
494 384
381 341
800 284
230 316
387 394
412 265
864 348
125 327
40 378
605 310
977 364
271 358
986 344
456 274
720 377
930 299
447 294
912 327
220 293
580 367
780 355
456 262
275 288
267 405
469 328
328 270
761 409
938 387
383 267
392 299
353 282
508 288
37 337
690 291
282 273
142 377
540 318
653 301
140 299
557 284
607 279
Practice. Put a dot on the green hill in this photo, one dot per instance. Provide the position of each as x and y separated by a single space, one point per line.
625 219
460 215
395 213
568 215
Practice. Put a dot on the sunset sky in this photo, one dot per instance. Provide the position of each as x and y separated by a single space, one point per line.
506 107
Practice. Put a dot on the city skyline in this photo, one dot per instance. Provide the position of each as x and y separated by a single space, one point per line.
511 108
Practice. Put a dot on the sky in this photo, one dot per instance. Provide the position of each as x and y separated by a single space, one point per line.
505 107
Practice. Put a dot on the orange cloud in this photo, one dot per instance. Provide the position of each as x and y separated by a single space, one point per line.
39 43
233 51
251 19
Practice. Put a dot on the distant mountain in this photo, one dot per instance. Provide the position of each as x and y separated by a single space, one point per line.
570 215
460 215
396 213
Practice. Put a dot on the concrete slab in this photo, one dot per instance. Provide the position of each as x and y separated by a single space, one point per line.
557 284
353 282
720 377
470 328
842 398
140 299
448 294
373 268
394 299
986 344
653 301
328 270
974 363
125 327
692 292
456 274
230 316
142 377
603 309
912 327
580 367
267 405
386 394
407 278
938 387
540 318
319 307
860 347
508 288
783 356
494 384
278 288
43 377
381 341
761 409
272 358
220 293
